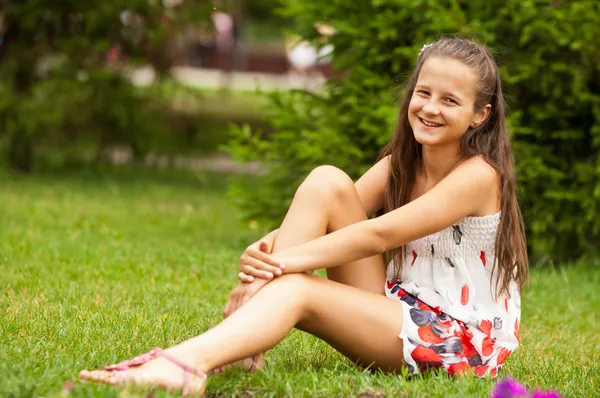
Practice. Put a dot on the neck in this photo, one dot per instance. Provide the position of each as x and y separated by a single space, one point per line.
438 162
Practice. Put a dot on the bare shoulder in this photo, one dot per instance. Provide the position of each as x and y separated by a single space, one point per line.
485 182
385 161
482 171
472 189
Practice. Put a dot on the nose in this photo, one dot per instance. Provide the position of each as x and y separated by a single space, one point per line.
431 107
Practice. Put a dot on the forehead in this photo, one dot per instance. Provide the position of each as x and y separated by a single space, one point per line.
448 75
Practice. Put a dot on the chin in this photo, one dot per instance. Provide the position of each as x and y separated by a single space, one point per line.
425 137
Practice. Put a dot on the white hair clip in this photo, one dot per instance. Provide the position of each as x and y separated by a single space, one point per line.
424 47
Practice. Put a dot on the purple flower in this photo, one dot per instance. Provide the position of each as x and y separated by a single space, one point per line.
545 394
509 388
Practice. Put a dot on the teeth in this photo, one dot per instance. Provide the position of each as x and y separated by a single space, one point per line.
430 124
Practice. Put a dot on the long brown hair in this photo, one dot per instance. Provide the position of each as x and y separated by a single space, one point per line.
489 140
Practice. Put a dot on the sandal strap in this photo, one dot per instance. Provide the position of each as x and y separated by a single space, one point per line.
148 356
137 361
254 363
186 368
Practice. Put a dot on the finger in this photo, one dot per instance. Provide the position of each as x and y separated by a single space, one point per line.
231 303
226 309
250 270
262 266
263 246
243 277
245 299
264 257
236 303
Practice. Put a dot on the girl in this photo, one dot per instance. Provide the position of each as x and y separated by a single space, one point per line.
452 227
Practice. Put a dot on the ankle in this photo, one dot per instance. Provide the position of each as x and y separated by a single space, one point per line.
190 361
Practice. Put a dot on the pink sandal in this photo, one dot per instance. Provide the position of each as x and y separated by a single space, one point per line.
252 368
121 367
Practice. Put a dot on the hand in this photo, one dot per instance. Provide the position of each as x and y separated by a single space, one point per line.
240 294
256 262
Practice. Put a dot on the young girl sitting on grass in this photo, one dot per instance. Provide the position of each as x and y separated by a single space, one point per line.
451 222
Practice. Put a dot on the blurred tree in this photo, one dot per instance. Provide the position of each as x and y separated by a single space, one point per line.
262 10
69 40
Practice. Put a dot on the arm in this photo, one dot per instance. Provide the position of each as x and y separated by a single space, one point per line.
370 187
439 208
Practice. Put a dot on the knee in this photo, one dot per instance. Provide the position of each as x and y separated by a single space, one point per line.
294 285
328 181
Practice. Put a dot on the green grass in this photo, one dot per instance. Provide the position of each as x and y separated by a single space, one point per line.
95 268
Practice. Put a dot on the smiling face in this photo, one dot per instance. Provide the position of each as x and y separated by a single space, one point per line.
442 106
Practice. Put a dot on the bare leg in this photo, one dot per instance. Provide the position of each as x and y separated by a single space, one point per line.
314 304
325 202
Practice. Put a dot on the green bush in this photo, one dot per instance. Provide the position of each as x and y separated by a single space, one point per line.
68 121
58 96
549 53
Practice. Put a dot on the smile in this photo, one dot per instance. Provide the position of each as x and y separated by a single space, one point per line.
430 124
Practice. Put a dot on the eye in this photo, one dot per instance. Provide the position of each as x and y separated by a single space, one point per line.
450 100
423 92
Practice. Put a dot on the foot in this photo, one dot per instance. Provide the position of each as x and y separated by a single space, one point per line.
159 372
252 364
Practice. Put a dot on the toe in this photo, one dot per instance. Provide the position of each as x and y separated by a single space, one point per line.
101 376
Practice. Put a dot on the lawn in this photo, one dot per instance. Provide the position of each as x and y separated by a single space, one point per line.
98 267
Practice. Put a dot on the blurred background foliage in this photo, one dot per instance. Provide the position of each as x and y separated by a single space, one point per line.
64 103
548 51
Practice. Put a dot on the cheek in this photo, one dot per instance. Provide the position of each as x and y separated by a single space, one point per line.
465 119
415 105
459 118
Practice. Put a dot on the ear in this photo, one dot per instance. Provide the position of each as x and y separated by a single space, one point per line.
481 117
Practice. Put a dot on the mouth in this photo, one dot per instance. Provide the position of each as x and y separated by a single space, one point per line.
429 123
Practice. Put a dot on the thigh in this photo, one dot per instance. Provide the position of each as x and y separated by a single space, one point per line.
361 325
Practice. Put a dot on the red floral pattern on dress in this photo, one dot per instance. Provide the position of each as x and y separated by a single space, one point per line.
482 257
486 327
427 356
428 336
517 334
458 368
504 353
435 339
487 346
464 294
465 337
480 370
414 253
